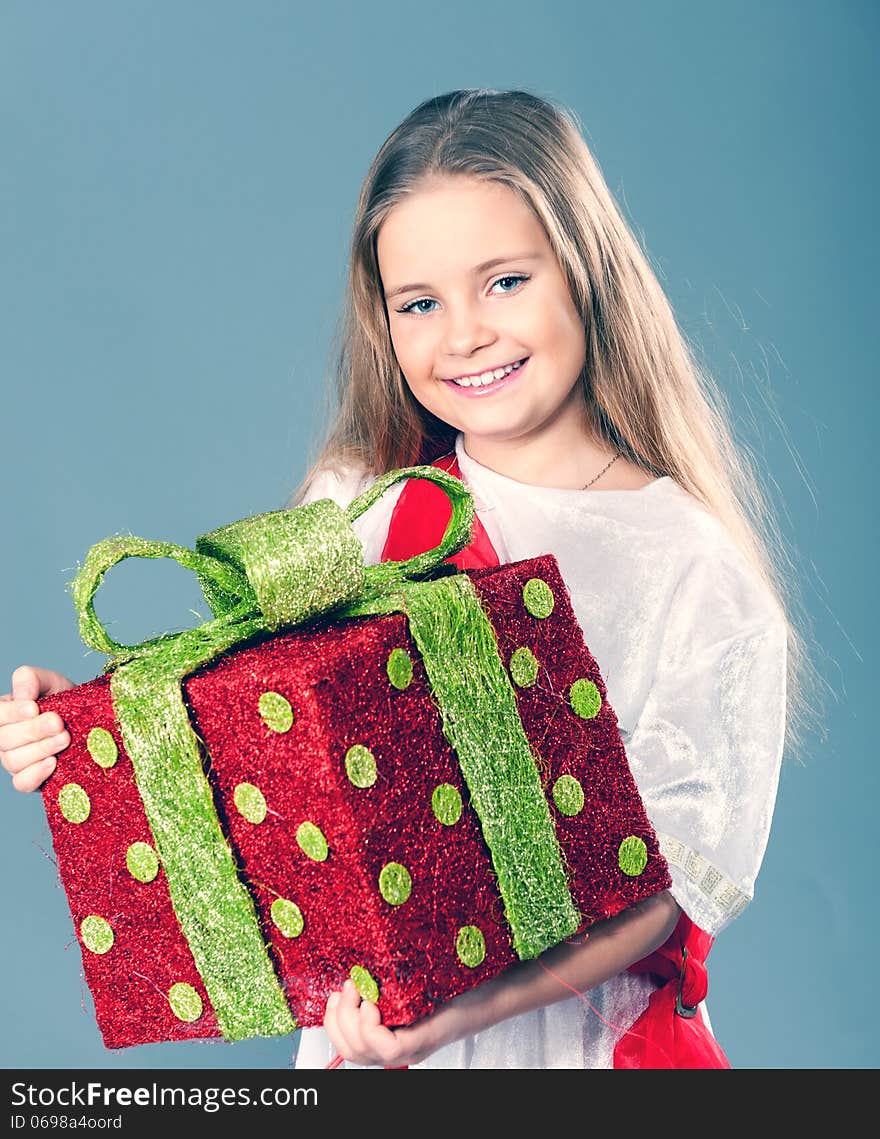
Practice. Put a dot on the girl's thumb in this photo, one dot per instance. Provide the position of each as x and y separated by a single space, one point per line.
25 684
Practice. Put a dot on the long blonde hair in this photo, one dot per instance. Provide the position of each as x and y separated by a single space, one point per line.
645 392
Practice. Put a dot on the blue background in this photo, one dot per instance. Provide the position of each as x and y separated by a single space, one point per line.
177 184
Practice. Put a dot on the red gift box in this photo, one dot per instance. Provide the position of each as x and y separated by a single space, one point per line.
360 818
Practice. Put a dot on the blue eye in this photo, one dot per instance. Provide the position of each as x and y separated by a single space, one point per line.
412 304
511 277
411 307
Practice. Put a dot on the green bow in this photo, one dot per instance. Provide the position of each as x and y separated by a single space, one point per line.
272 570
282 569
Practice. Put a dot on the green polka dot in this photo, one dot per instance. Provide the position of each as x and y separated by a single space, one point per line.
568 795
585 699
395 883
102 747
632 857
287 916
360 766
311 841
446 804
400 668
276 711
364 983
142 861
74 803
96 934
524 668
249 802
538 597
186 1004
470 945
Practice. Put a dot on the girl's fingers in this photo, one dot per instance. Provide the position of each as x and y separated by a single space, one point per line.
26 683
29 742
356 1031
339 1037
348 1020
29 682
362 1026
12 710
342 1022
19 710
331 1023
34 776
16 759
379 1040
15 733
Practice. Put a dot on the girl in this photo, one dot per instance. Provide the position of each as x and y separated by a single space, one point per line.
505 325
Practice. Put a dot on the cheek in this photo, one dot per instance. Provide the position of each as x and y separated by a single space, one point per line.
426 393
414 366
566 333
549 324
415 352
566 352
413 349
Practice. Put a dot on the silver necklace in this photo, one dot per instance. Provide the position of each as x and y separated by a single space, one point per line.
602 472
449 454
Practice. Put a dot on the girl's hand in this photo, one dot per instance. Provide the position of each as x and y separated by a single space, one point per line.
357 1033
568 969
28 741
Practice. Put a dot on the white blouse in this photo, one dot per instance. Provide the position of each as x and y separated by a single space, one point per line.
692 649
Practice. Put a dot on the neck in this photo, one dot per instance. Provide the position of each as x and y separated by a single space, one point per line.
565 456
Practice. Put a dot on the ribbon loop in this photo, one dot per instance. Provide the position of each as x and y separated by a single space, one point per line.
298 563
230 586
455 537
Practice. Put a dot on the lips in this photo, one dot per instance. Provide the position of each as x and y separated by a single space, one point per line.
488 389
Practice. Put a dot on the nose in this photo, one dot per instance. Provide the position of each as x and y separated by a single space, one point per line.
466 331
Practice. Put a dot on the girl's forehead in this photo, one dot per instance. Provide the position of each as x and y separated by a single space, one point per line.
457 225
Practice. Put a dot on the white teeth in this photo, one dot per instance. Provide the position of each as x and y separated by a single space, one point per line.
487 377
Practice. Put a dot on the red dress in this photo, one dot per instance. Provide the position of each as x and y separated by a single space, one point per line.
671 1032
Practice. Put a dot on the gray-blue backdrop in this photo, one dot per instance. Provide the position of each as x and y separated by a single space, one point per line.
177 186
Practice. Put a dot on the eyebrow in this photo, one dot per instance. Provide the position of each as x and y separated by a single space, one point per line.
481 268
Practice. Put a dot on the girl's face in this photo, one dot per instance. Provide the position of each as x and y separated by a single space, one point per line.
452 314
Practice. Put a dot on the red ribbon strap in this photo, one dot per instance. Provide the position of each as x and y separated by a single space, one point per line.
419 520
671 1032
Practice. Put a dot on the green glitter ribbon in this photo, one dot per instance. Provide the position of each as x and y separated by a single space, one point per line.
281 569
480 719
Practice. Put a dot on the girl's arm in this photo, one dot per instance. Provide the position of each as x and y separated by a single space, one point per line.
354 1025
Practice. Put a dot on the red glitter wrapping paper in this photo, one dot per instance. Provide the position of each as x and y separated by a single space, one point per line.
334 675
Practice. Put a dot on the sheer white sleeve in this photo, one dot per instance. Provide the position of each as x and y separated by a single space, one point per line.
707 746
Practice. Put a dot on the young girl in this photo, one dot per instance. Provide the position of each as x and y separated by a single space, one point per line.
505 325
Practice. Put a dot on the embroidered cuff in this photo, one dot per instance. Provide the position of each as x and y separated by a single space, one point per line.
708 897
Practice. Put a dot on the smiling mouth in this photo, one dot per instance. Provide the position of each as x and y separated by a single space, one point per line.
487 379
